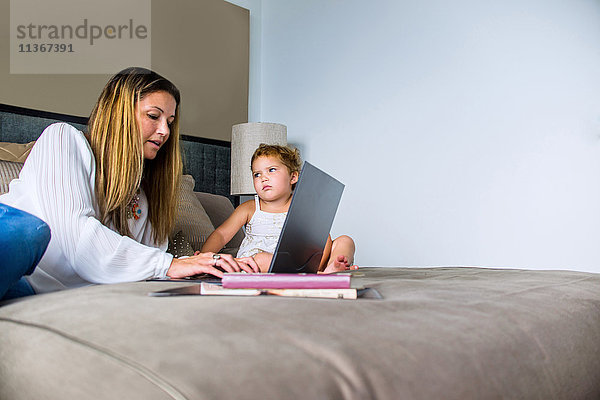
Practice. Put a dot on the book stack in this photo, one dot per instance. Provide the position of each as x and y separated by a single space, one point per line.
331 286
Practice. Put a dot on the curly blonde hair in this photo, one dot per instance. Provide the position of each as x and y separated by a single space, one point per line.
290 157
116 140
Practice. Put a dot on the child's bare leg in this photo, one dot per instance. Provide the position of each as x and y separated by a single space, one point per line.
326 254
263 260
341 256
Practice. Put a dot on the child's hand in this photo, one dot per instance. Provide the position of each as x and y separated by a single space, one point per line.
248 262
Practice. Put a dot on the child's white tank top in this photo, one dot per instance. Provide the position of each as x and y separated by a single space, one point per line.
262 232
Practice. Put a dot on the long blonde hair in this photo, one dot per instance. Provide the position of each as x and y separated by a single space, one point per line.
121 170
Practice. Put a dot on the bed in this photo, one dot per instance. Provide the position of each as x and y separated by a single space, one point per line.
437 333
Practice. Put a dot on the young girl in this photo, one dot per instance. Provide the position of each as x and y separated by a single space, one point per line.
275 170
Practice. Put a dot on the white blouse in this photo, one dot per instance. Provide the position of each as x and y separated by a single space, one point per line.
57 185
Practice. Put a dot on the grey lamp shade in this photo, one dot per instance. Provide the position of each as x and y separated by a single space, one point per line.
245 139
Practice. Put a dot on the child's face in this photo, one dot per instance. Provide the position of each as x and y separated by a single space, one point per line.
272 179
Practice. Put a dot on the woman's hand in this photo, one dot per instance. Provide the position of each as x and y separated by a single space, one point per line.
209 263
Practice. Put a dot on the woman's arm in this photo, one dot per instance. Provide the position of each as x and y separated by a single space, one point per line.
61 167
227 230
60 172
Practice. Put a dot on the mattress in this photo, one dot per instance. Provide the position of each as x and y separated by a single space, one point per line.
451 333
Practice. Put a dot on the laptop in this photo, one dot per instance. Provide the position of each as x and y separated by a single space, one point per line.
308 222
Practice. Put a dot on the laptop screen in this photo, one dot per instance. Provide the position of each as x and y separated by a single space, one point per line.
308 222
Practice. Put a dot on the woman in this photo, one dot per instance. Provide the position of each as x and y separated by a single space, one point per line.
109 198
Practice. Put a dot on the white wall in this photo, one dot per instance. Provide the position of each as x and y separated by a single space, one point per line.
466 132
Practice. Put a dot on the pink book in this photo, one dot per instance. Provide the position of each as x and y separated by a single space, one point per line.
286 281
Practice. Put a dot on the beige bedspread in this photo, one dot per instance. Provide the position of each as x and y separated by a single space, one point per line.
439 333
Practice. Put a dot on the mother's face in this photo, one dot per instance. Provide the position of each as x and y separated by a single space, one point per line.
154 114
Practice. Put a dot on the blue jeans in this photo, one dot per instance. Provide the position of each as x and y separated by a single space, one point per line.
23 241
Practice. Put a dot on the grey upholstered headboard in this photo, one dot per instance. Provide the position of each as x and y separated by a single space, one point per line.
207 160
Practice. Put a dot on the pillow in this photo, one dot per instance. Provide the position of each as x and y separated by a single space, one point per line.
192 220
8 171
179 246
15 152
